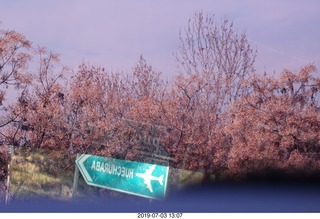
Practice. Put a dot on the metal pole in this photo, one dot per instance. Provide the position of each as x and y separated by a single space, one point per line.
75 180
185 158
8 176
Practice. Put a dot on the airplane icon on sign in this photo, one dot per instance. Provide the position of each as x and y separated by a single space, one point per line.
147 177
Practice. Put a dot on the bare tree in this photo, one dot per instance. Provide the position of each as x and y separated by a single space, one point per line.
214 60
217 52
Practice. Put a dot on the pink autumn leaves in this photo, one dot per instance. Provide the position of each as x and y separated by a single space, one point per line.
276 124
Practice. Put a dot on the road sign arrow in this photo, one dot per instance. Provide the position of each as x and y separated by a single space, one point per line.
83 169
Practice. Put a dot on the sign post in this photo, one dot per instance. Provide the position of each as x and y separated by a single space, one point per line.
75 180
142 179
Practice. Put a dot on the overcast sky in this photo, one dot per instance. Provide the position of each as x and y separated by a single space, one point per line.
114 34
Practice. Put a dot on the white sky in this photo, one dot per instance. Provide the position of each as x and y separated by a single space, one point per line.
115 33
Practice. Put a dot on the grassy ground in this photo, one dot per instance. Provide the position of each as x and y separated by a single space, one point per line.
37 175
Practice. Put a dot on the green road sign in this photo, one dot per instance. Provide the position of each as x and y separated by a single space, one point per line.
142 179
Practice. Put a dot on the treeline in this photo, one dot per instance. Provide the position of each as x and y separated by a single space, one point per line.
217 114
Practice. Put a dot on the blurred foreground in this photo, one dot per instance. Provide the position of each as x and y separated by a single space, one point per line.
268 193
